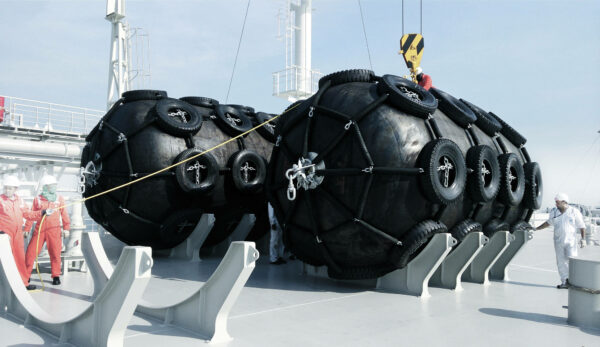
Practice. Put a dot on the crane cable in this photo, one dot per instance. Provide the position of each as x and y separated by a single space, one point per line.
421 16
237 52
365 33
56 210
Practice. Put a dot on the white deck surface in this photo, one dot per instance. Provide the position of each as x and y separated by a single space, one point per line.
281 307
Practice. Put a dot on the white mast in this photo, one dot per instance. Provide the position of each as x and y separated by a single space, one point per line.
298 80
118 67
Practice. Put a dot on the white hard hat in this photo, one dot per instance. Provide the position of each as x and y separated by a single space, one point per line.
47 179
11 181
562 197
419 70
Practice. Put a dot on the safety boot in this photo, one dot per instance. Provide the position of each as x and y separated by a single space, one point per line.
55 281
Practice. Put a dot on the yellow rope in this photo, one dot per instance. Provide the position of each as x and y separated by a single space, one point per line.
143 178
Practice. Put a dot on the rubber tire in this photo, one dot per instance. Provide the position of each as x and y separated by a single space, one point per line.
226 126
510 195
249 111
462 229
200 101
533 186
390 84
430 181
173 127
238 160
414 241
494 226
169 238
485 122
476 184
509 132
266 131
348 76
144 94
455 109
207 184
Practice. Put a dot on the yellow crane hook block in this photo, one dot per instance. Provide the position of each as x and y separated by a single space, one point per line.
411 48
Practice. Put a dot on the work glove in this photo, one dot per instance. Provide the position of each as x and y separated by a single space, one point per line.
582 243
66 233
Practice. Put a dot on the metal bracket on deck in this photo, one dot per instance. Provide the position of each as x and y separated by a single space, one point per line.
190 248
101 323
414 277
478 270
207 310
449 273
204 312
499 270
239 234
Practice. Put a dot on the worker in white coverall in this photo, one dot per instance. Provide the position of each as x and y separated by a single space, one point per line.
276 241
566 220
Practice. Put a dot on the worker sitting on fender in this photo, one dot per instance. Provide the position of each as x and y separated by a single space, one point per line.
423 79
46 204
12 211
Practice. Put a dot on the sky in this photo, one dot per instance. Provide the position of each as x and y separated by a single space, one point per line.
534 63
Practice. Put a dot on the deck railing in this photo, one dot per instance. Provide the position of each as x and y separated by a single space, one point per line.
38 115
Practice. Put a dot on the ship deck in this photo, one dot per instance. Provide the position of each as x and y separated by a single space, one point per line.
280 306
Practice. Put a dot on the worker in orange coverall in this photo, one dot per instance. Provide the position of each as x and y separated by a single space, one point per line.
424 80
46 204
12 210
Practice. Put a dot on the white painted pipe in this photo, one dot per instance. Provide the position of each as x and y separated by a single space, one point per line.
303 43
23 147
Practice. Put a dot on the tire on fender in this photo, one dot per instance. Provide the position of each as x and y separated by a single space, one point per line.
231 120
414 241
196 176
455 109
177 117
533 186
200 101
348 76
444 177
268 130
407 96
485 122
483 183
248 170
178 226
512 180
462 229
143 94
